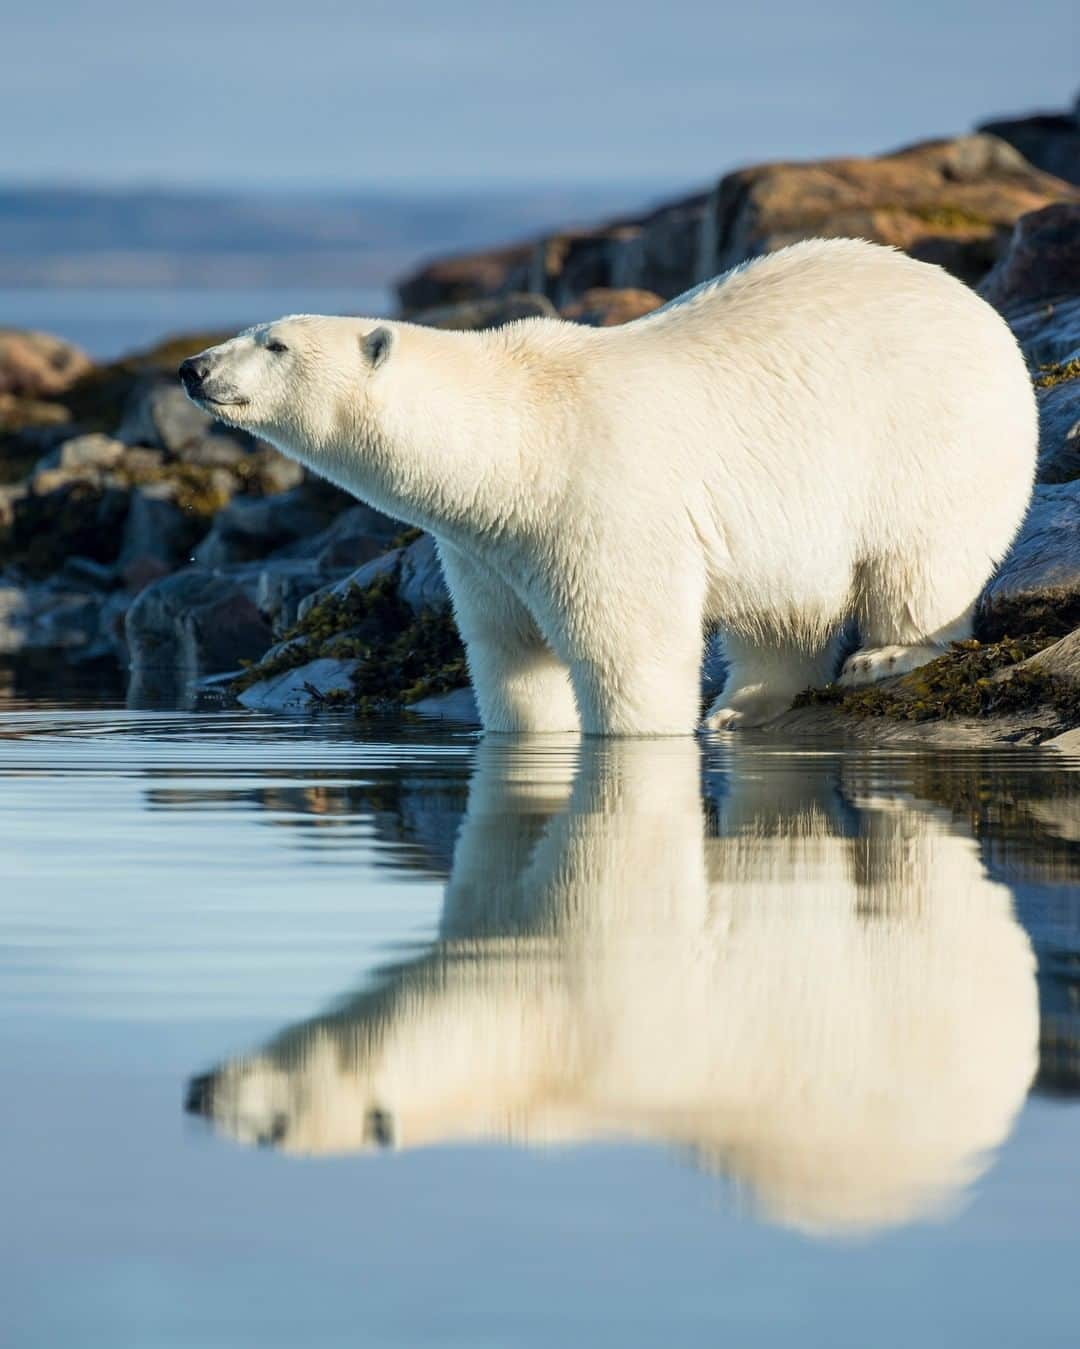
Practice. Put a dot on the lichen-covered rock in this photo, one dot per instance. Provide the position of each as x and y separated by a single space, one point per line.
38 365
420 579
952 202
195 622
283 585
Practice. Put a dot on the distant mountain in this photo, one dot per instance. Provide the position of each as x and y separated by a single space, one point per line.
68 236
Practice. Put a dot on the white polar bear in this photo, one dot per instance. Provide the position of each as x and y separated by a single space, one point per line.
830 1001
834 431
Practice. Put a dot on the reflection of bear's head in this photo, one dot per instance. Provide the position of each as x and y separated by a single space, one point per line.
828 1000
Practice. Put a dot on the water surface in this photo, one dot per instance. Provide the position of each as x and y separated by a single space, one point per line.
531 1044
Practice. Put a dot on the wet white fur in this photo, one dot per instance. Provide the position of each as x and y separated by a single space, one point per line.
834 430
831 1003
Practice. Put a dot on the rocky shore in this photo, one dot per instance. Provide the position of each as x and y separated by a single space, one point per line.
137 535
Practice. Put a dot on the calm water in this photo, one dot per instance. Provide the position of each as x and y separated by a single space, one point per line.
108 323
531 1045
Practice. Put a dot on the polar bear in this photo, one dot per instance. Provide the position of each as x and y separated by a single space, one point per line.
830 1002
834 431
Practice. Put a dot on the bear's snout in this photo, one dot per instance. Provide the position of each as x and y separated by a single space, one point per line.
193 371
199 1097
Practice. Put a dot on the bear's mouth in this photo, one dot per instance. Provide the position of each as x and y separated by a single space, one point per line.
219 402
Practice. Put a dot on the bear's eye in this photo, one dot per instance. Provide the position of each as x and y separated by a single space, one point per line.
276 346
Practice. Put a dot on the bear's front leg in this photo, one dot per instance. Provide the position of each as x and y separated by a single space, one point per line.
639 672
521 686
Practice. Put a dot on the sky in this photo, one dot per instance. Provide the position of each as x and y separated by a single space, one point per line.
443 94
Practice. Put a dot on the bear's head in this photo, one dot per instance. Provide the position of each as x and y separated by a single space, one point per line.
299 382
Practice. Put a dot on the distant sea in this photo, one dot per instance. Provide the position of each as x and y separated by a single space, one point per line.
111 322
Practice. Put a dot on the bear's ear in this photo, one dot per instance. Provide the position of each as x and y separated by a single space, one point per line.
377 346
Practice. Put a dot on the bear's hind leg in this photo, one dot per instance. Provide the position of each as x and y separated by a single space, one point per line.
764 678
521 686
908 620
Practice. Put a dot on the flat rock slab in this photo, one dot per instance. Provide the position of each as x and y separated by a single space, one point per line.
302 689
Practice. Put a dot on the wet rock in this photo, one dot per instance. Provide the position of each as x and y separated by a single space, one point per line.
320 683
38 365
605 308
253 527
1062 660
1037 588
195 622
477 315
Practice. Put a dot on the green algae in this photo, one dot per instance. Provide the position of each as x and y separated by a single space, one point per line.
972 680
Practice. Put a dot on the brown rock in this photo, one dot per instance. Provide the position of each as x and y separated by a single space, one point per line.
953 202
477 315
38 365
604 308
469 276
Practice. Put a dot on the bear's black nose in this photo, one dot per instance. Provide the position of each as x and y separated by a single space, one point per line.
193 371
199 1097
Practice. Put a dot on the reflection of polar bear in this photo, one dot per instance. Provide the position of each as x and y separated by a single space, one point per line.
801 441
829 1001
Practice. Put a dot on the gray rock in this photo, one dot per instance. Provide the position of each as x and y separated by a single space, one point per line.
160 414
195 622
1059 430
90 451
156 528
356 536
1038 584
283 586
420 581
1036 286
300 689
253 527
46 616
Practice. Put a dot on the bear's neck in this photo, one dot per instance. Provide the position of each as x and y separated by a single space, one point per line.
459 437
